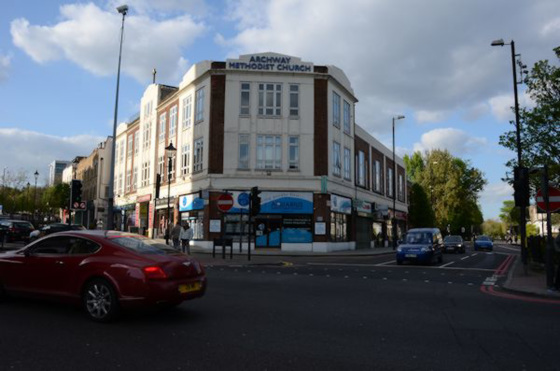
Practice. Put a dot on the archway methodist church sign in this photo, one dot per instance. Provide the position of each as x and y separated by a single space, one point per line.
272 62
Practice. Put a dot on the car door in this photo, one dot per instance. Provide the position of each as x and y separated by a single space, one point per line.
40 271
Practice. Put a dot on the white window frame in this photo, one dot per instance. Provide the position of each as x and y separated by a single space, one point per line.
336 159
130 145
390 181
172 122
245 109
244 147
270 99
347 164
187 111
269 152
136 144
162 126
346 113
294 100
199 106
121 153
145 174
128 179
161 167
293 153
147 135
185 159
135 178
377 176
198 155
336 109
400 188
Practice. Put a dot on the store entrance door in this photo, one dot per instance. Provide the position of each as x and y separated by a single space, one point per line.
363 233
269 232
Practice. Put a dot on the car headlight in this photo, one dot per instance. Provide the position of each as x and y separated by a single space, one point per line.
399 249
425 249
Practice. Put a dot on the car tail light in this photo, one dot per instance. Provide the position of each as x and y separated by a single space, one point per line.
154 273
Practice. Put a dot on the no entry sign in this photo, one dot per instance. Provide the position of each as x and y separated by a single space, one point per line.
225 202
553 199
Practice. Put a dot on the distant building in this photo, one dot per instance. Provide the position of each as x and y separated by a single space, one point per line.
55 171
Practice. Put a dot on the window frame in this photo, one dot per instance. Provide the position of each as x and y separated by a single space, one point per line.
186 110
347 164
293 110
269 145
244 141
336 109
245 109
276 104
293 163
198 155
337 163
346 117
199 105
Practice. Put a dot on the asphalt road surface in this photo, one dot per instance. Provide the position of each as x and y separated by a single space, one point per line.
359 313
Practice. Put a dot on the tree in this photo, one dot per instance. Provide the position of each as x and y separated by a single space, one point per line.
420 213
452 186
539 128
493 228
509 214
57 196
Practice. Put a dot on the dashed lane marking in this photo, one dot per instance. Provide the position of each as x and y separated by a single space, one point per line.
446 265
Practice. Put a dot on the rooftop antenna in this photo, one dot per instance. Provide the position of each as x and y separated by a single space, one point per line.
154 76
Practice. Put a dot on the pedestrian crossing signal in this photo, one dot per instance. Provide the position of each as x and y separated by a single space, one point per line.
76 195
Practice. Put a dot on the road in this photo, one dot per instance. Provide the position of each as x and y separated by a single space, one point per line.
359 313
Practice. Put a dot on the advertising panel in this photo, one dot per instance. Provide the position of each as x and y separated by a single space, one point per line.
341 204
191 202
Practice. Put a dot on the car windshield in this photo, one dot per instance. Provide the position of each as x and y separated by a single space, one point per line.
483 238
416 238
22 225
452 239
143 245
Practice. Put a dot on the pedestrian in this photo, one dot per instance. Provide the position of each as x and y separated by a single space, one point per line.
175 233
186 237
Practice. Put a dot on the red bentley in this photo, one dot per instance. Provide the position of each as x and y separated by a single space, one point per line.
105 271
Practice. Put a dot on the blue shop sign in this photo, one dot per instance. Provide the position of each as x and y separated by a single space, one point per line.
191 202
286 203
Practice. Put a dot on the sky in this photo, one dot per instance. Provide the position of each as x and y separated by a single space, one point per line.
429 60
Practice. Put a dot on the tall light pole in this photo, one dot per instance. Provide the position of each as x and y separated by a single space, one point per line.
123 9
394 185
522 211
170 152
36 175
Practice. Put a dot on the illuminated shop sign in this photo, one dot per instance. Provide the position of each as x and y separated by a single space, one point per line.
269 62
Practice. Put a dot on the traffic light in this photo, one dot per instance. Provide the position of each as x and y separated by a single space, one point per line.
158 184
521 186
255 201
76 194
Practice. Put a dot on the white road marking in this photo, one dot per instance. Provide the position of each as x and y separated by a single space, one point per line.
466 257
389 262
446 265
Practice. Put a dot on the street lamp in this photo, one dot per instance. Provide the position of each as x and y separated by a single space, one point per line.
394 185
123 9
522 211
36 174
169 152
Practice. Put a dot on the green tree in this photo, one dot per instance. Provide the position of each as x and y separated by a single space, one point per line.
414 166
494 229
57 196
539 128
420 213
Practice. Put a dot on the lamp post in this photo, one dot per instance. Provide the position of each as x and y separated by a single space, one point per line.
170 152
123 9
522 211
394 186
36 174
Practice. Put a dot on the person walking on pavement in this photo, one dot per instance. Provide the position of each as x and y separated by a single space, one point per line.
175 233
186 237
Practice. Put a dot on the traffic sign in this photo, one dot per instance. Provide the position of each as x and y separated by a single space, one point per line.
225 202
553 199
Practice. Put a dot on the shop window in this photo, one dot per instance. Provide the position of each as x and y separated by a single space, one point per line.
339 227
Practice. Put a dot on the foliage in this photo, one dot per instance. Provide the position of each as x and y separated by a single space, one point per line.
509 214
494 229
57 196
532 230
420 213
539 129
452 186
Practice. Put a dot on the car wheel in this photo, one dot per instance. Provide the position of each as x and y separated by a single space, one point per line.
100 301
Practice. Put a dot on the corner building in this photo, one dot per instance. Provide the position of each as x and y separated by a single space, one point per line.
267 120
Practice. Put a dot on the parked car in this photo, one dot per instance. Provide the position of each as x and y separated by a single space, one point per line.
53 228
454 244
17 230
104 271
483 243
421 245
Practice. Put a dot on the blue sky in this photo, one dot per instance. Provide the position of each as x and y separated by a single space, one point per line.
430 60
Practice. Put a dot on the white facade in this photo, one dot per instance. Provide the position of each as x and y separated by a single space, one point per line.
282 120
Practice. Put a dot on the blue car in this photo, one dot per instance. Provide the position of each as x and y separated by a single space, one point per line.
421 245
483 243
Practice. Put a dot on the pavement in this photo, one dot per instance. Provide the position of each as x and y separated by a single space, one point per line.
530 281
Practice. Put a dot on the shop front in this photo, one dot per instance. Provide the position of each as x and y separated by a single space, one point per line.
162 214
341 211
142 212
379 226
284 221
363 218
191 209
125 217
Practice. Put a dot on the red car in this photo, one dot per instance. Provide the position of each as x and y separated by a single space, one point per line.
105 271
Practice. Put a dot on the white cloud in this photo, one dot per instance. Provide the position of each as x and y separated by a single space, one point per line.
455 141
430 116
28 151
89 37
501 105
4 66
428 58
492 198
551 28
161 7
